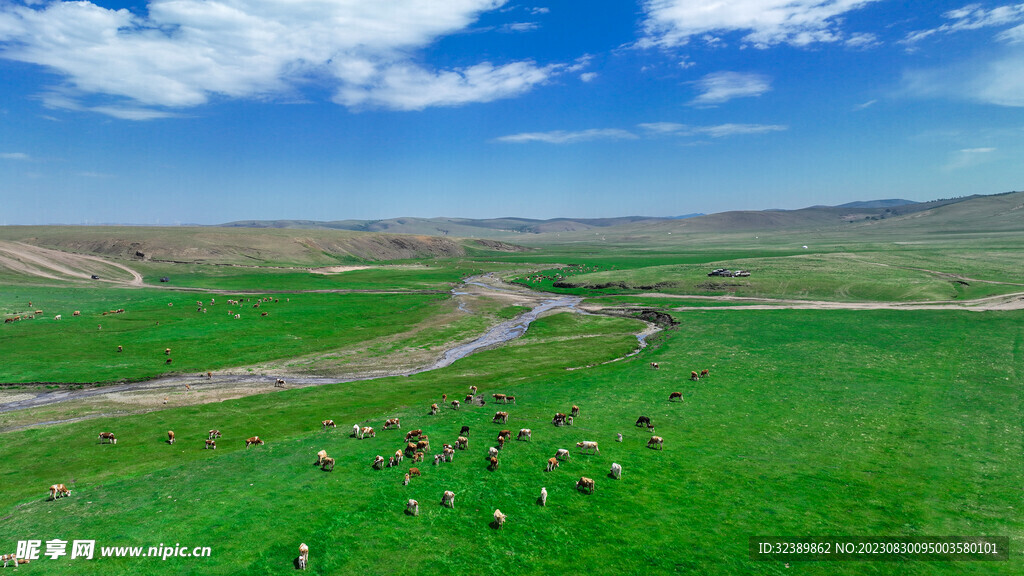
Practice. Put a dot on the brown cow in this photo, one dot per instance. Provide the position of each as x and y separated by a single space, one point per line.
493 462
214 434
367 431
585 484
704 372
498 397
654 365
412 434
575 410
169 360
525 434
414 472
108 437
303 556
462 443
448 499
433 409
510 399
328 424
327 464
472 389
694 376
167 351
552 464
410 448
170 436
505 434
455 404
500 417
559 419
211 444
656 441
120 349
320 457
675 395
279 383
501 442
253 440
392 422
423 445
417 457
59 491
378 462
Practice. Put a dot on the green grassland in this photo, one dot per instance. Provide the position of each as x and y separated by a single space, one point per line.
908 423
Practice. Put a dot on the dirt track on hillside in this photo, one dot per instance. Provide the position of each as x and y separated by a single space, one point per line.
1013 301
47 263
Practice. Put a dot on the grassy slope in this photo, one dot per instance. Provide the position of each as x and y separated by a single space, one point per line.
907 423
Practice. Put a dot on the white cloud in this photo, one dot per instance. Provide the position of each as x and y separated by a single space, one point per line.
720 87
969 158
185 52
864 105
766 22
539 10
999 81
971 17
13 156
569 137
723 130
520 27
648 130
588 76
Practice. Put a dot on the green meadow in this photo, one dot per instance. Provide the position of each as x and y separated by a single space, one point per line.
812 423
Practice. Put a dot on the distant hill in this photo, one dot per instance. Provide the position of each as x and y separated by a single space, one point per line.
877 204
497 228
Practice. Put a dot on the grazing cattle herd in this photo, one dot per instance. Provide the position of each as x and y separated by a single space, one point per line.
417 443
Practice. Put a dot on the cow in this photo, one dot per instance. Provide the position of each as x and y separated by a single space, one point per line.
469 398
575 410
12 559
392 422
279 383
559 419
237 316
585 484
500 417
120 348
167 351
444 398
619 437
327 464
675 395
378 462
423 445
410 448
262 314
414 472
169 360
320 457
399 456
328 424
412 507
493 462
704 372
448 499
586 445
214 434
501 442
438 459
643 421
464 431
59 491
654 365
498 398
505 434
616 471
455 404
367 431
562 454
405 482
510 399
449 454
57 317
499 519
412 434
209 375
107 437
170 436
656 441
355 430
552 464
472 389
303 556
433 409
694 376
211 444
568 421
392 462
254 440
543 496
525 434
417 457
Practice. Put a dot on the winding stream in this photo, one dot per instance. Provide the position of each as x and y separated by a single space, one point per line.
499 334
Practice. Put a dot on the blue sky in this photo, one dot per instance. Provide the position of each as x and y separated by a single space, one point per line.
207 111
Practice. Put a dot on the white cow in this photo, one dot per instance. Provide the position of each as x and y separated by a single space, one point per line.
448 499
412 507
303 556
616 471
543 496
